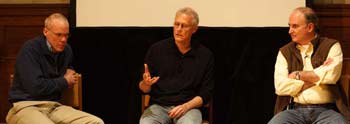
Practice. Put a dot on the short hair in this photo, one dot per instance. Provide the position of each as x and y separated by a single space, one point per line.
189 11
54 16
310 17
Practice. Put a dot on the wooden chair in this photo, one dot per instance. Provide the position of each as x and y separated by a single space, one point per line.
208 107
74 96
71 96
345 82
345 79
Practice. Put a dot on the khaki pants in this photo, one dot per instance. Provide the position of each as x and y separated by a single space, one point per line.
48 112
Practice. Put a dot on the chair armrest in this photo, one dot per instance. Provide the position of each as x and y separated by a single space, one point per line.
73 96
145 102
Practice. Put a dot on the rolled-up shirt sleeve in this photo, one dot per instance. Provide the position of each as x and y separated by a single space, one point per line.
329 74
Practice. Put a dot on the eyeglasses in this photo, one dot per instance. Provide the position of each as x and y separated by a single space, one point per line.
182 25
60 35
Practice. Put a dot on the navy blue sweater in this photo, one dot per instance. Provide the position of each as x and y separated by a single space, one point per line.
39 72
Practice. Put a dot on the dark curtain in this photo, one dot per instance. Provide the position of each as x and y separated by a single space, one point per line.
111 62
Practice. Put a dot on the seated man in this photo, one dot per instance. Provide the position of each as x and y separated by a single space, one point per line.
43 70
178 75
307 70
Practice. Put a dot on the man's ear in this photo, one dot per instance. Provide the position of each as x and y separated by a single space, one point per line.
311 27
195 29
45 31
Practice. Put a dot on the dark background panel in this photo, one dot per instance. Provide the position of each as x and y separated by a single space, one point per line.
111 62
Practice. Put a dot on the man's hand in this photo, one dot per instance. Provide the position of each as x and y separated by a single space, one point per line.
178 111
307 85
309 77
328 62
181 110
293 75
306 76
71 77
147 79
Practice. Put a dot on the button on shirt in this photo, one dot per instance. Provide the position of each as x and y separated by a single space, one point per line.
323 91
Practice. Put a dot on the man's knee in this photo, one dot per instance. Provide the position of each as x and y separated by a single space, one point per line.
97 120
148 120
194 116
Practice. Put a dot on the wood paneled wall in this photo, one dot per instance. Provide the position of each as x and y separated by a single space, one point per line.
19 23
335 23
34 1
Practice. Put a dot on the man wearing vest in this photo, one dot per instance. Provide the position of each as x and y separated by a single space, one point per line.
306 74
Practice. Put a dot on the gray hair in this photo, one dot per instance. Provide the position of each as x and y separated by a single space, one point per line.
55 16
189 11
310 17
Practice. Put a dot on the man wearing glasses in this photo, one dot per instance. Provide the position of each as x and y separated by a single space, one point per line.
178 75
43 70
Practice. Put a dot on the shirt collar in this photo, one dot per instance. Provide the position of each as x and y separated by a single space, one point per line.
49 46
191 52
304 47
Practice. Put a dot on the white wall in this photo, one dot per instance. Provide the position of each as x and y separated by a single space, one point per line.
213 13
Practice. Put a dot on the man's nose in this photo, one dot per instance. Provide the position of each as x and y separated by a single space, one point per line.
64 39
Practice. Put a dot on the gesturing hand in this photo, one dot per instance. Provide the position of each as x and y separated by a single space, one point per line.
147 79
